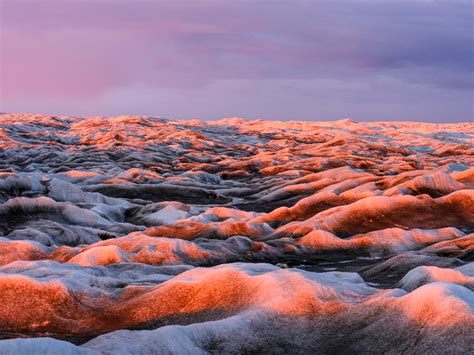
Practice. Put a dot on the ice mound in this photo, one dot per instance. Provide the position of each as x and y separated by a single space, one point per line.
421 275
443 312
99 301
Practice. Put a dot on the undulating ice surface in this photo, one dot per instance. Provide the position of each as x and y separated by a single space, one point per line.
148 235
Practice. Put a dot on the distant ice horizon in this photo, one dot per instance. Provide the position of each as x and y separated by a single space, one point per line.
226 117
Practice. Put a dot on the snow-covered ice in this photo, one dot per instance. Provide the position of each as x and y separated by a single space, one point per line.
127 235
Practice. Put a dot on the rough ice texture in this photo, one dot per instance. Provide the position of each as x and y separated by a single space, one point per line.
132 234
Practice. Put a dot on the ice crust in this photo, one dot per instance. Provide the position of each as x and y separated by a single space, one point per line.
126 235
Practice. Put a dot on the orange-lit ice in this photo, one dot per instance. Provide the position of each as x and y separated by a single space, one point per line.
130 234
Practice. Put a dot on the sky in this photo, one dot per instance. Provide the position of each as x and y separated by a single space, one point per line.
286 60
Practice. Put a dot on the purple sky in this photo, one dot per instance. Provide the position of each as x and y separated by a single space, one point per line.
287 59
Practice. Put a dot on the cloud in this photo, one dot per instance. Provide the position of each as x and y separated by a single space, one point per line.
86 50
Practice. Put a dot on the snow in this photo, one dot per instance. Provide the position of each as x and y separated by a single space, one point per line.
235 236
428 274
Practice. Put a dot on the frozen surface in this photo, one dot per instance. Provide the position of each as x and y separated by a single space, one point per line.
132 234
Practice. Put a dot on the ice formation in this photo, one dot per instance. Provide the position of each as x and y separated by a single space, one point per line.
138 234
